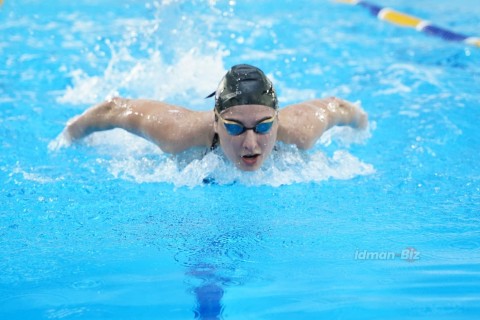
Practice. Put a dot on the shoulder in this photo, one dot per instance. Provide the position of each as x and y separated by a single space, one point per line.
302 123
166 113
304 113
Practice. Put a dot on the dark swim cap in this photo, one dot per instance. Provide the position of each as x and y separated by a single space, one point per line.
244 84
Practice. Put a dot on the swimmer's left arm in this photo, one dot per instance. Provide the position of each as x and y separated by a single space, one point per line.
304 123
344 113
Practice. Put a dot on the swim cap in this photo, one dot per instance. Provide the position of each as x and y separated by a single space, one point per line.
244 84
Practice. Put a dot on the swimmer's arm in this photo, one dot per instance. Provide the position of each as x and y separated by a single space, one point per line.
304 123
174 129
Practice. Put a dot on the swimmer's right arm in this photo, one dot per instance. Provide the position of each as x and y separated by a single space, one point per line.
304 123
174 129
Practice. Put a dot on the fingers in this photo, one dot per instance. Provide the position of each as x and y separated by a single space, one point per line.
360 116
74 130
362 120
353 111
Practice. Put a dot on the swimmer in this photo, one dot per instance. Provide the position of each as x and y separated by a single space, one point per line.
245 123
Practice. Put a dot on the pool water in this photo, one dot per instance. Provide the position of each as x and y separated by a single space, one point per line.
373 224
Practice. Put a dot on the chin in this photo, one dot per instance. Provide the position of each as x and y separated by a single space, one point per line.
249 168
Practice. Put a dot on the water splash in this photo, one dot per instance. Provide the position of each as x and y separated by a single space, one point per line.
285 167
142 65
134 159
41 174
189 78
160 57
347 136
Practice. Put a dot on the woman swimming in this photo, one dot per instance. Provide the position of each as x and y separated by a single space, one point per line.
245 123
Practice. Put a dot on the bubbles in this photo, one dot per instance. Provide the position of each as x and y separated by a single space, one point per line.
134 159
151 61
61 313
190 77
400 78
346 136
63 140
42 175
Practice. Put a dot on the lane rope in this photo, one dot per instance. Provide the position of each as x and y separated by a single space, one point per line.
405 20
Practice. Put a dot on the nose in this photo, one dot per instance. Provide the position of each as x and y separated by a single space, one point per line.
250 142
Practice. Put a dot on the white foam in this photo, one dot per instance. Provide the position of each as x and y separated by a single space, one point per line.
345 136
34 176
401 78
190 78
135 159
63 140
159 58
288 167
118 143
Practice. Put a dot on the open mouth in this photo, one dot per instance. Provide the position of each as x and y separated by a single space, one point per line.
250 159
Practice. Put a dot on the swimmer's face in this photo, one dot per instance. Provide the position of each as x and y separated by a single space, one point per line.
247 150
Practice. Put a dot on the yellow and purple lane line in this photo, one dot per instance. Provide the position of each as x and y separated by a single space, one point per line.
419 24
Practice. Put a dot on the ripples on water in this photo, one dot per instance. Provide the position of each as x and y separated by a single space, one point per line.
86 228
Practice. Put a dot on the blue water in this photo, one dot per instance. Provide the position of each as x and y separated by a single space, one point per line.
376 224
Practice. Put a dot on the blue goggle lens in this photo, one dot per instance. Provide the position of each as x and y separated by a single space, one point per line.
236 129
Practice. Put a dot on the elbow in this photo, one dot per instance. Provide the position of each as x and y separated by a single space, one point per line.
172 144
302 142
305 144
171 149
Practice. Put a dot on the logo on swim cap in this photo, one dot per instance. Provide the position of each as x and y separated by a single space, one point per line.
244 84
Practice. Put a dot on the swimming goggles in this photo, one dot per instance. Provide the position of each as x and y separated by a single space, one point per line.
236 128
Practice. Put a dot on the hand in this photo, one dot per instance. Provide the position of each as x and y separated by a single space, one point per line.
359 118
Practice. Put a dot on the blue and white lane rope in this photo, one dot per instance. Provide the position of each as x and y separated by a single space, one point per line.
406 20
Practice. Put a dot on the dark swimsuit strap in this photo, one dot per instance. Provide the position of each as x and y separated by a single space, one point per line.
215 142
